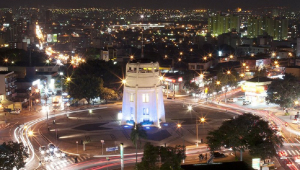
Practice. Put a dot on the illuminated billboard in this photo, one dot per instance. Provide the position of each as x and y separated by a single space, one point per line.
54 37
51 38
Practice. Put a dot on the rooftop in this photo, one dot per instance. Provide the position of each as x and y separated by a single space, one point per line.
5 72
259 79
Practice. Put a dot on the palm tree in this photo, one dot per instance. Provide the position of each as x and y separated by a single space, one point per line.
137 132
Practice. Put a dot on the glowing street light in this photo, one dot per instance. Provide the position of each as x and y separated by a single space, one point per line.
202 119
218 82
161 78
205 58
228 72
68 79
210 55
131 56
189 108
244 64
242 75
30 133
296 102
231 56
179 59
179 125
124 81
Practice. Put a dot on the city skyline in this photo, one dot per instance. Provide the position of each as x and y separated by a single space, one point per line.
156 4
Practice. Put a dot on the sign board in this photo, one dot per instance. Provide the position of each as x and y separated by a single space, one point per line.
256 163
110 149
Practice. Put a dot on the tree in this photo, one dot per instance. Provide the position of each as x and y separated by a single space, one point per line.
169 157
230 79
260 73
86 86
284 92
246 132
137 132
108 94
11 155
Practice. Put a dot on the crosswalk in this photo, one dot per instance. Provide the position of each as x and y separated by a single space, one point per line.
63 162
292 152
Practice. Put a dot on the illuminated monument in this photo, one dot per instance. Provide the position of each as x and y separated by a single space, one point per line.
142 95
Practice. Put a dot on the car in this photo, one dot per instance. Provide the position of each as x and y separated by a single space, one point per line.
52 148
287 162
231 100
246 102
282 154
218 155
295 121
241 98
42 149
297 159
17 111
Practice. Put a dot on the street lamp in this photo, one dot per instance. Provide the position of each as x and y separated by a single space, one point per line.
179 127
124 81
30 133
202 120
228 73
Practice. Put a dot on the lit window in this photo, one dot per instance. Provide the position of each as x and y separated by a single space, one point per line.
145 111
145 98
131 97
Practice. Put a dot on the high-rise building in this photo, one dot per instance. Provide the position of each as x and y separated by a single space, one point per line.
142 94
275 27
220 24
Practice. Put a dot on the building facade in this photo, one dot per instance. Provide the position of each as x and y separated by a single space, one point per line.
143 95
7 85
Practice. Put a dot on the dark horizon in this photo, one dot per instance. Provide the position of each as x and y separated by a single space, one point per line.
155 4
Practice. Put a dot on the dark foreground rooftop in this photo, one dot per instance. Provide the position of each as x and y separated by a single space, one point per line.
218 166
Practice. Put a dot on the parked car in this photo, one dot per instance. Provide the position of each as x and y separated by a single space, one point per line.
246 102
218 155
231 100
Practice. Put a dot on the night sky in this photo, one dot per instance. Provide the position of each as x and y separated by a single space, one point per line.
156 4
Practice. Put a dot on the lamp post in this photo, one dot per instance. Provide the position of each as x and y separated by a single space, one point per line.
227 74
61 85
77 145
202 120
142 56
180 130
